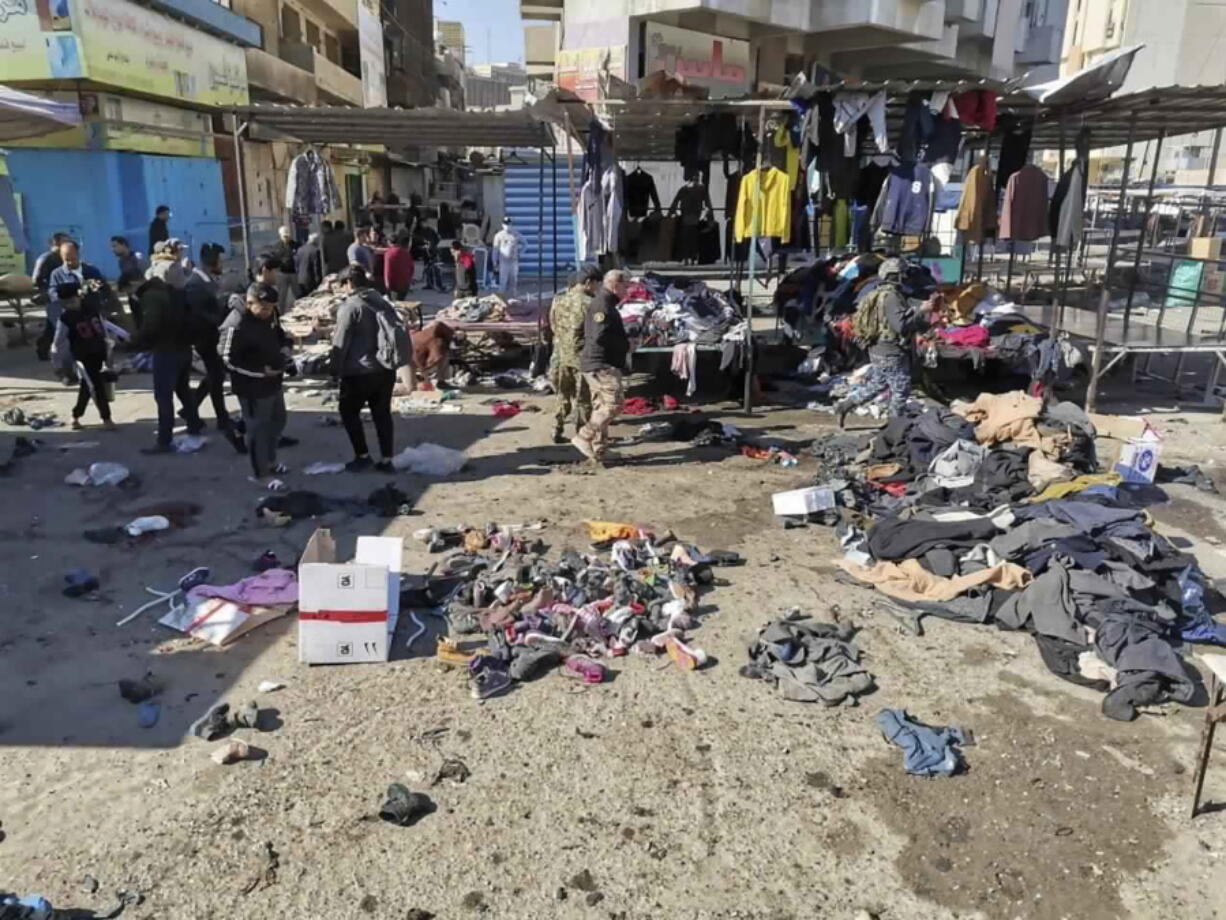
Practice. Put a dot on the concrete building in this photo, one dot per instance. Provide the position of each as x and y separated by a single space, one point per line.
491 86
450 35
1185 44
451 78
147 78
409 52
766 41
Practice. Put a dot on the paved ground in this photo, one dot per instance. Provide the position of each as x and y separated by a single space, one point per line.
661 794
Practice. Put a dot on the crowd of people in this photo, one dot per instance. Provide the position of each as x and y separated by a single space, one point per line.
181 309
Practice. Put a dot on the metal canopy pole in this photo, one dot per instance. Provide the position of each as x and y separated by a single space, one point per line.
755 231
553 206
1149 207
1057 300
987 155
1120 201
242 192
540 242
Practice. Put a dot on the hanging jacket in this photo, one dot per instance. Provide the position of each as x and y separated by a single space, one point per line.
849 108
1068 207
976 216
1024 216
311 187
905 203
776 205
977 107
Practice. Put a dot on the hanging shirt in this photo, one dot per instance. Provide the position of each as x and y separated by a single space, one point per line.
591 220
640 191
1024 216
1068 207
905 203
976 216
776 218
849 108
611 211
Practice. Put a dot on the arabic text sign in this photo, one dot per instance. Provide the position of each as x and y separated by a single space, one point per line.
701 59
37 42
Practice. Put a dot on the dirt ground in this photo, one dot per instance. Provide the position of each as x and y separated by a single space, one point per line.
660 794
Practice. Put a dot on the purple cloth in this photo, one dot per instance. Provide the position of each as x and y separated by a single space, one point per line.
966 336
268 589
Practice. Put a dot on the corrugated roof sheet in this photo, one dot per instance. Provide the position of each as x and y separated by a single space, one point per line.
395 127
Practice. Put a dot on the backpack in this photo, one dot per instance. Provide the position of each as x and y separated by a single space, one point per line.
870 320
395 348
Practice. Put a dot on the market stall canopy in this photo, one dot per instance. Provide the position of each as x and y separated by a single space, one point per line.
1098 81
25 115
431 127
1169 110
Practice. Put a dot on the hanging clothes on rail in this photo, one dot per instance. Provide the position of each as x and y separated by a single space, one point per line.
311 187
849 108
1024 215
1014 149
977 107
841 171
640 191
976 216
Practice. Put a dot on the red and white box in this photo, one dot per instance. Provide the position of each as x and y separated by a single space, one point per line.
344 609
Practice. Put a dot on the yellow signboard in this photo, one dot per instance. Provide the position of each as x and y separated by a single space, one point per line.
37 41
119 43
139 50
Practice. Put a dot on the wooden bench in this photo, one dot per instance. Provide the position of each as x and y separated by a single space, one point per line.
1215 713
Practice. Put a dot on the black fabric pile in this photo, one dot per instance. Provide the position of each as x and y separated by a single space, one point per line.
809 661
1110 600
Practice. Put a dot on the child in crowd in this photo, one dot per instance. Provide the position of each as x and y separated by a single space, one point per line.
81 339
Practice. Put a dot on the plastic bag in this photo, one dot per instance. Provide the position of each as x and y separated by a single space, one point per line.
146 525
430 460
107 474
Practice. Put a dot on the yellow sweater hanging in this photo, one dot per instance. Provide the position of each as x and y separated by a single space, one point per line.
776 204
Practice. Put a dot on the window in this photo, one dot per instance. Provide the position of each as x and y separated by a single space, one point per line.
291 25
333 48
314 39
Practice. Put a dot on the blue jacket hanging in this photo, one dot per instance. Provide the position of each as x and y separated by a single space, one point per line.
905 203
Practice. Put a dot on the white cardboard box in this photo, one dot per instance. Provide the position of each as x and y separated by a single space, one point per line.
1138 460
343 609
802 501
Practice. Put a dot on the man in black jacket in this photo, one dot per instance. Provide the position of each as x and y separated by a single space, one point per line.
165 331
159 228
254 348
306 265
606 350
206 310
44 265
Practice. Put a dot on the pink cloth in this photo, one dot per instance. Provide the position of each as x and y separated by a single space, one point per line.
268 589
966 336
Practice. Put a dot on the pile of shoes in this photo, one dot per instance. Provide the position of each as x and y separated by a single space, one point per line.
638 595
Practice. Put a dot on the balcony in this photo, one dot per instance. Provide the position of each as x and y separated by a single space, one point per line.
271 78
549 10
540 49
213 18
1042 45
331 79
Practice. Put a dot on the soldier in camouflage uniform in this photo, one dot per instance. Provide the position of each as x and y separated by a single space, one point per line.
566 321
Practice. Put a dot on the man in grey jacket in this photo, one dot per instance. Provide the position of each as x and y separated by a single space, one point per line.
365 382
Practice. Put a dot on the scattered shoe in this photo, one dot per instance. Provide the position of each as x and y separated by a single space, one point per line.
231 752
490 682
403 807
109 425
214 723
583 668
158 449
530 662
385 466
451 653
584 446
559 437
76 424
359 465
685 657
248 716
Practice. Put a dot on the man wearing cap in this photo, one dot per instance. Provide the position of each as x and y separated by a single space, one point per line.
165 332
508 244
566 323
603 360
884 324
256 352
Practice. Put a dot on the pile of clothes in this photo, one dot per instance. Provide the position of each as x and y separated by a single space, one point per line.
637 595
491 308
808 661
660 311
995 512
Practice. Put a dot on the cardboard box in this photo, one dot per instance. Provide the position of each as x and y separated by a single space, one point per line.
802 501
343 614
1205 247
218 621
1138 459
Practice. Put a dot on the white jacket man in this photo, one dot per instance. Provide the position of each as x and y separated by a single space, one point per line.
508 244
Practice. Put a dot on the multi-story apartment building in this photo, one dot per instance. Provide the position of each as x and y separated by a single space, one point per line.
766 41
147 78
450 35
492 86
